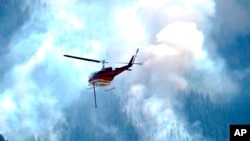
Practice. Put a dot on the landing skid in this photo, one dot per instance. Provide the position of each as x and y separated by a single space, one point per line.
110 89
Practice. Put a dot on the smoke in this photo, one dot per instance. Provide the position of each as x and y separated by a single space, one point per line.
176 59
173 37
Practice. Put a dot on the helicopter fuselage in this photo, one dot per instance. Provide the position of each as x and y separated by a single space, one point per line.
105 76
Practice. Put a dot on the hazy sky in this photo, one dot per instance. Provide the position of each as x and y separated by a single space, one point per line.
184 45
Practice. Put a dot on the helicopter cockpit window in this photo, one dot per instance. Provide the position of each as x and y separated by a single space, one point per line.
91 75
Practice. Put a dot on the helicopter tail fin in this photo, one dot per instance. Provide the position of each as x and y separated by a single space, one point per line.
132 60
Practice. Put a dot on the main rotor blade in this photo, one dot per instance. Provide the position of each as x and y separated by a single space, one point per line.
81 58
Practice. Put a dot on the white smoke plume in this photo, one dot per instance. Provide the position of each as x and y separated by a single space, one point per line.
173 37
176 60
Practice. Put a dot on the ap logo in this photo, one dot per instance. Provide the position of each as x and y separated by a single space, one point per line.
239 132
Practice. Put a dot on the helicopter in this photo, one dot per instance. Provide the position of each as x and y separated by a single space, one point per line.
105 76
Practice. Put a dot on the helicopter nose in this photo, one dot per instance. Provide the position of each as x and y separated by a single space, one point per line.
90 80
